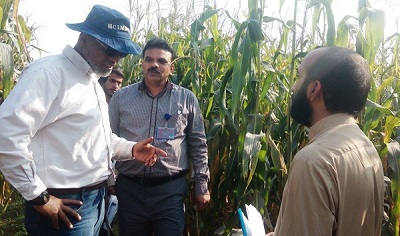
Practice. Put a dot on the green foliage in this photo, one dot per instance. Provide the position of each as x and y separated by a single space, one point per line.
6 68
11 221
370 40
243 82
14 36
330 37
242 71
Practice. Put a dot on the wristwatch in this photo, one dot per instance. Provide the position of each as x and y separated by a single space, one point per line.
40 200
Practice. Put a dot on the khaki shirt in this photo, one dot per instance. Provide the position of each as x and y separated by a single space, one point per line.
335 184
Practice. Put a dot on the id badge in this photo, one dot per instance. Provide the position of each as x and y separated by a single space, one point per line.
165 133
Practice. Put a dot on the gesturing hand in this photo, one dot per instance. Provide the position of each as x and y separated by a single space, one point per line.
57 210
145 152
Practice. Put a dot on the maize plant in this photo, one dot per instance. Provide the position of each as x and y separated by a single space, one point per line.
241 68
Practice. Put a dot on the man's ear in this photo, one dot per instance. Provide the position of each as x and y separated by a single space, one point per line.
315 88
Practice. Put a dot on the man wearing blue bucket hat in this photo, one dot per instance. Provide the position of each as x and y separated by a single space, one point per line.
111 29
56 142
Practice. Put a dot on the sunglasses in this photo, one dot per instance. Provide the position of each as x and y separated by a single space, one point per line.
111 52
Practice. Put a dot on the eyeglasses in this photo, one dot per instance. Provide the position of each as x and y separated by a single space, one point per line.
111 52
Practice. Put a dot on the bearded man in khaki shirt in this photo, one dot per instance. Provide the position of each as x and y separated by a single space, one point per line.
335 184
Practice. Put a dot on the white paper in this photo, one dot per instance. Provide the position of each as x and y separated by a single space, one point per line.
252 225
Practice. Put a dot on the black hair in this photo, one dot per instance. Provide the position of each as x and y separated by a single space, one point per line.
345 79
118 71
115 70
161 44
102 80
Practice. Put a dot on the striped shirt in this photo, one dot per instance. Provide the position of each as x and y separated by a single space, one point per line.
136 115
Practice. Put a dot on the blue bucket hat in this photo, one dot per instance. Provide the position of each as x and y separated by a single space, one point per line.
110 27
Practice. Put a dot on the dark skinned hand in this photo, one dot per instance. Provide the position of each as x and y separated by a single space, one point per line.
144 152
57 210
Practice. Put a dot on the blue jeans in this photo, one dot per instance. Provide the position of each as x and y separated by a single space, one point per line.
143 210
91 212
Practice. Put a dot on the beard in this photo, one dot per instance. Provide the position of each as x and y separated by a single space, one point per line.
98 70
301 108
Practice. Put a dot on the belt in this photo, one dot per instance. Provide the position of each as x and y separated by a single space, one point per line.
154 181
66 191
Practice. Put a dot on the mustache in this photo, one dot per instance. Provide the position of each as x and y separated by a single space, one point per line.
153 70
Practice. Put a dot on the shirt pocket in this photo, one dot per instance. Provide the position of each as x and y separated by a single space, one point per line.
181 122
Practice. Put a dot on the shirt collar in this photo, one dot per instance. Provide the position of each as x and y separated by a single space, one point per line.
169 86
79 62
330 122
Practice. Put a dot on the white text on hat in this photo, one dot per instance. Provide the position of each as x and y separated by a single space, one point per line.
118 27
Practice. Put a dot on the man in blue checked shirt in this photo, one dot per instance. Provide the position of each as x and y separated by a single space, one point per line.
151 199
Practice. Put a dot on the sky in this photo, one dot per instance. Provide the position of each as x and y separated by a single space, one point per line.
53 35
52 15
